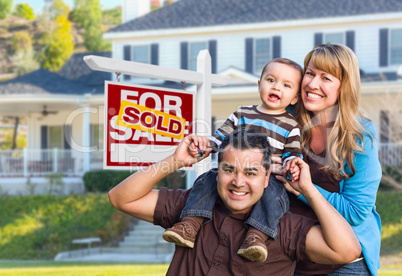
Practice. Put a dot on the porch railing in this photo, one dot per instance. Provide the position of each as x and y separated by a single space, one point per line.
30 162
390 154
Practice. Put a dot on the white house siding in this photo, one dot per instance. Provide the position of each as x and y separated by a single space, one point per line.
367 46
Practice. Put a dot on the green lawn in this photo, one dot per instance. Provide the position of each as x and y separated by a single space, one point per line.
49 268
32 268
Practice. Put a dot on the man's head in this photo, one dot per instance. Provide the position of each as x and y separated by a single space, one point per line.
243 169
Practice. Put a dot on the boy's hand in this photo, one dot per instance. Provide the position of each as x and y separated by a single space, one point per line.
292 171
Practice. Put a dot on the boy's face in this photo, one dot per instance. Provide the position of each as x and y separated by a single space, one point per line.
241 178
278 87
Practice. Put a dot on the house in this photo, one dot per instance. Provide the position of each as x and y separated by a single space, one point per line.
64 111
64 114
242 36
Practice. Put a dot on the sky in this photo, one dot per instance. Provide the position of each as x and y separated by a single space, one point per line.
37 5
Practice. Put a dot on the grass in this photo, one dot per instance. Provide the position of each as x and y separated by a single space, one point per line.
389 206
29 268
33 228
25 268
38 227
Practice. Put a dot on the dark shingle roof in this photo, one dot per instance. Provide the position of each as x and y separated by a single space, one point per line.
198 13
42 82
75 69
75 77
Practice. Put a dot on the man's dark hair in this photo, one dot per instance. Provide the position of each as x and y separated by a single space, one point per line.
248 138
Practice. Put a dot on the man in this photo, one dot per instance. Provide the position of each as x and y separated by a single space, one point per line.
242 176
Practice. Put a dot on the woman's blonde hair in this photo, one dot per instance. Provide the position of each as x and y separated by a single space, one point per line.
339 61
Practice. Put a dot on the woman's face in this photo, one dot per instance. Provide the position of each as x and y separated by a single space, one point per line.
319 89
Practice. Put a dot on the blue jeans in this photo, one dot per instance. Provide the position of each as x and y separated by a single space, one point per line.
265 215
358 268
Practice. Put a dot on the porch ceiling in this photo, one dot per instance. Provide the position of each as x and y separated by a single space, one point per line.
23 105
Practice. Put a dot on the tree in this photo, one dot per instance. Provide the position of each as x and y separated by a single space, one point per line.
5 8
58 8
60 45
24 62
21 41
24 11
88 14
23 59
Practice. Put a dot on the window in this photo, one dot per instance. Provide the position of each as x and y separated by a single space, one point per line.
262 54
194 49
141 54
334 37
55 137
396 47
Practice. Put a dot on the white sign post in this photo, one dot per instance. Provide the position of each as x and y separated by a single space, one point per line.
202 78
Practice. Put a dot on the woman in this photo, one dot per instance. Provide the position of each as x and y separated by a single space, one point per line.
339 144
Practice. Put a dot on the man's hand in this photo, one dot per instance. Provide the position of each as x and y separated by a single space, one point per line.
187 151
198 146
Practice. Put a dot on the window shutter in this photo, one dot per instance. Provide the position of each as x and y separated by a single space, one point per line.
155 54
318 38
276 53
249 55
67 136
383 47
350 40
212 48
127 56
385 128
184 55
43 137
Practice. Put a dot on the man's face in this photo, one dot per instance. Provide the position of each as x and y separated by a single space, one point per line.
241 178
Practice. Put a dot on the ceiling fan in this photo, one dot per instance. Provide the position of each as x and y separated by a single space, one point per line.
46 112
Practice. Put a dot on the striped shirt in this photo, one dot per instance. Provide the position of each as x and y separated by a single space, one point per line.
282 130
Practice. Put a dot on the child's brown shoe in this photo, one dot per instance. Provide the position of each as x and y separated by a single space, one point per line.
182 234
253 248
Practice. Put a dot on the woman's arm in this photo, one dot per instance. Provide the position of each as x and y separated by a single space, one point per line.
358 193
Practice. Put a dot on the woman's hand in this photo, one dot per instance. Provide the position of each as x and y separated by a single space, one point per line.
304 183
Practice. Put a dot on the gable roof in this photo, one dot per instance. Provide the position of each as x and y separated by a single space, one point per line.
199 13
42 81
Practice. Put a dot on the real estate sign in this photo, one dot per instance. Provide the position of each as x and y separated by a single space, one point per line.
144 124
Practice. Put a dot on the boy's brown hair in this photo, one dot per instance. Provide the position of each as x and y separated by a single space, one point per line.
285 61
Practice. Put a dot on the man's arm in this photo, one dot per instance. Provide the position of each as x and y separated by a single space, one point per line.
333 242
135 196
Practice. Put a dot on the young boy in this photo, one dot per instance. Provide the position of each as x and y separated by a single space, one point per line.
278 87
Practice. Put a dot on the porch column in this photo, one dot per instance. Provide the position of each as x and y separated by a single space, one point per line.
86 138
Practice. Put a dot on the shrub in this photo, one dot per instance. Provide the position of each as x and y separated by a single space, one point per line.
103 181
391 178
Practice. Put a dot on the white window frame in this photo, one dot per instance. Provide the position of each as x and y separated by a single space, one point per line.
391 47
192 60
266 56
